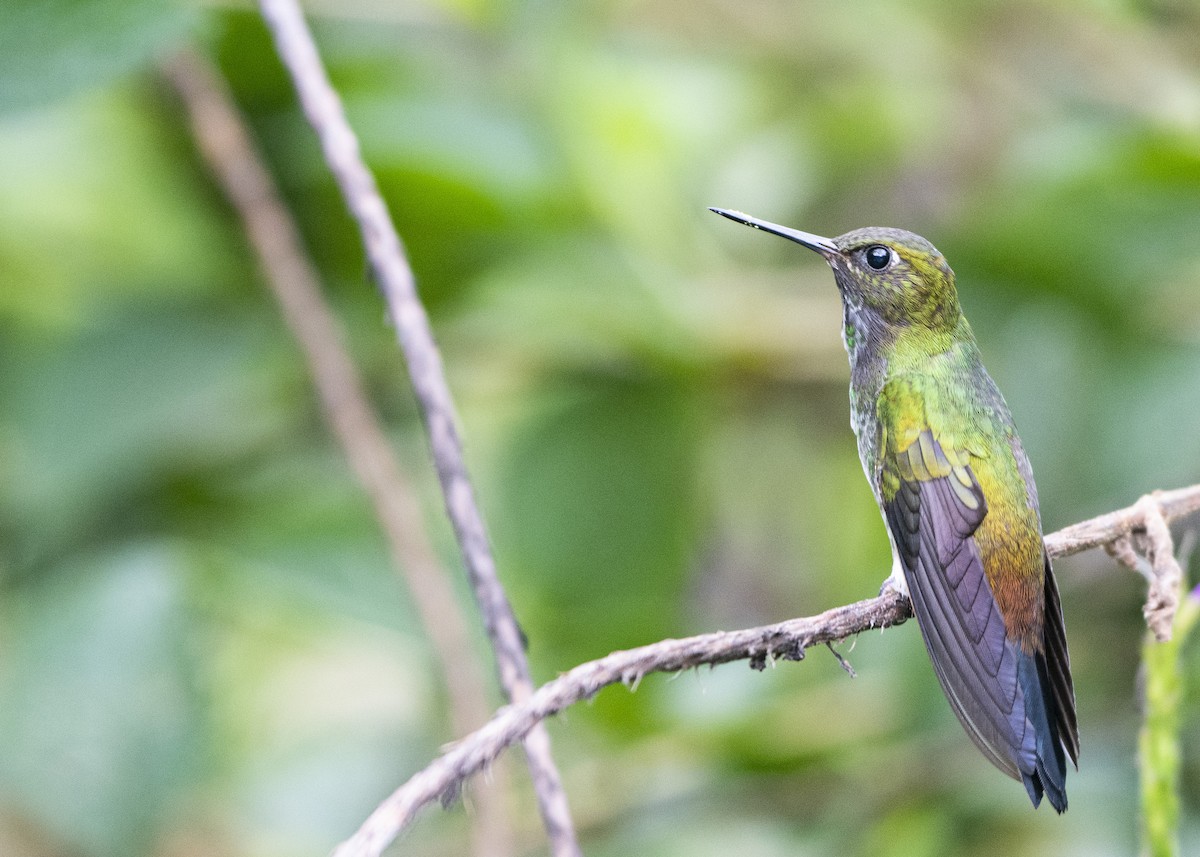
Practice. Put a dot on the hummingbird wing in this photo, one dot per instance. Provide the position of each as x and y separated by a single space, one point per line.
991 662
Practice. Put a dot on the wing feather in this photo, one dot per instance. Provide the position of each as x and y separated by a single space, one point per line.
963 631
1017 706
1000 653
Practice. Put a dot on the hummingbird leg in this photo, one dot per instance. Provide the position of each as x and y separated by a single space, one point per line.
895 581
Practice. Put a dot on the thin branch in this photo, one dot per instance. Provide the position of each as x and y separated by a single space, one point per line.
786 641
1159 566
225 143
1100 531
321 104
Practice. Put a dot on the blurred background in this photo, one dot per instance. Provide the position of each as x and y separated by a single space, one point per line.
203 646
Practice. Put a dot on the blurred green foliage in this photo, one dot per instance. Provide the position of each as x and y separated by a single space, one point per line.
202 647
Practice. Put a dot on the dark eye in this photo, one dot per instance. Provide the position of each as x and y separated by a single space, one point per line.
878 256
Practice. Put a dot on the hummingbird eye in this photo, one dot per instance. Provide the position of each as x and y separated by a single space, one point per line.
878 256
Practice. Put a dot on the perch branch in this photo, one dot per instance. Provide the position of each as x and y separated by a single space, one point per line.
786 640
1159 566
226 145
385 252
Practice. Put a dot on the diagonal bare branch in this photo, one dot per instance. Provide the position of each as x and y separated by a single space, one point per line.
786 641
226 146
295 45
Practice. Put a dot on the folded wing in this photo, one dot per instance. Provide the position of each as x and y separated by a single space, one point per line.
1015 703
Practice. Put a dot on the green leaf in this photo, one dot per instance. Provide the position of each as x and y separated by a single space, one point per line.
99 718
100 418
599 516
50 49
94 203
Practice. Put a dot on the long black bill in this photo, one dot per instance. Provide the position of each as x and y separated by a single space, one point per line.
824 246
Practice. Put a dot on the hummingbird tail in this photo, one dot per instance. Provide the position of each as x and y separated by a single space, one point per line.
1045 679
1049 768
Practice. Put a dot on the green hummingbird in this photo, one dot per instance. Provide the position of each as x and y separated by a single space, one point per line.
940 450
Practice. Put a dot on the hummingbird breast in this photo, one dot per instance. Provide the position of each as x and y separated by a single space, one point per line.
863 337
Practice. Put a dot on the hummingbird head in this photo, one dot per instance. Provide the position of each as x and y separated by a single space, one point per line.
895 278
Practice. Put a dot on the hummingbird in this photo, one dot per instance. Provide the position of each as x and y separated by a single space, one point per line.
939 447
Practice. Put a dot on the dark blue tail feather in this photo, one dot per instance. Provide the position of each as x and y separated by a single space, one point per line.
1048 773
